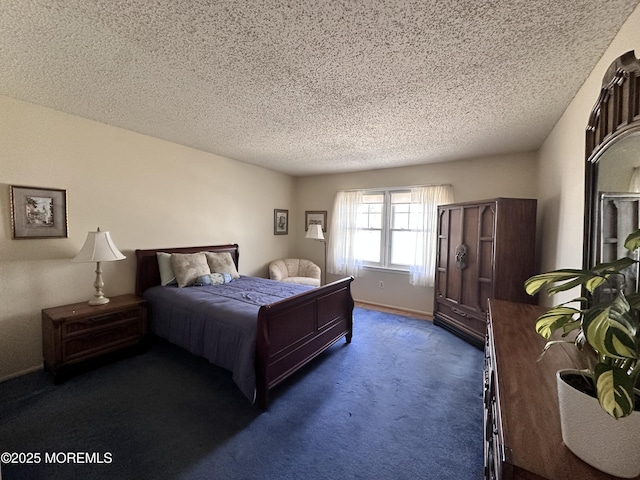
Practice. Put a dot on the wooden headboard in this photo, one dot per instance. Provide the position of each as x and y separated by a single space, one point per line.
148 273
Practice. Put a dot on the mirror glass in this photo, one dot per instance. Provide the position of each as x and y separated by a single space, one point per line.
618 204
618 164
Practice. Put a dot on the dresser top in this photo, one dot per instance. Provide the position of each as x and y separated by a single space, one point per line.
528 395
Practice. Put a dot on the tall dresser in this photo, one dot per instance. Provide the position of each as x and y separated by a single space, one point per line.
485 250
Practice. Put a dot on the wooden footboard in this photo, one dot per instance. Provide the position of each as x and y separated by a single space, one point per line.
294 331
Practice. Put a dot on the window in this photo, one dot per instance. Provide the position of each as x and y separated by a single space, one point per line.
387 228
369 235
387 224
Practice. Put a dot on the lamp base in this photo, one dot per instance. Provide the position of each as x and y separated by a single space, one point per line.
101 300
98 297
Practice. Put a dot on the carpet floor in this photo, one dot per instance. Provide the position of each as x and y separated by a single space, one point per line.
402 401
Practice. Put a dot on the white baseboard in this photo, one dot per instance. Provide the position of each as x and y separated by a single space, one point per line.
407 310
23 372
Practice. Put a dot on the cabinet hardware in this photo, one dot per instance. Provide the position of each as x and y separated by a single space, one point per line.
461 256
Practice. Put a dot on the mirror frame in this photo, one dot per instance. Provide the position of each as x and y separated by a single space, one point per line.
615 115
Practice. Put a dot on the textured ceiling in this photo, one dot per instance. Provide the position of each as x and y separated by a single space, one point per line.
307 87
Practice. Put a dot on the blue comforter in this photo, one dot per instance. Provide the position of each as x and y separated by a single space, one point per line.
217 322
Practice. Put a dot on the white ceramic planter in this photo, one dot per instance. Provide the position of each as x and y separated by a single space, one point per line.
610 445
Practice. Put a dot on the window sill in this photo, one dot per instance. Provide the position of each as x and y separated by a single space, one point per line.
386 269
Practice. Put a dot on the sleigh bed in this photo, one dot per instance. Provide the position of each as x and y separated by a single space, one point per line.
261 330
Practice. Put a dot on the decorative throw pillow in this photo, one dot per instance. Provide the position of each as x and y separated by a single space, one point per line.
202 280
220 278
222 262
212 279
167 276
188 267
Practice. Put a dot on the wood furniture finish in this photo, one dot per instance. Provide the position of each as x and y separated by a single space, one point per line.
290 333
616 114
74 334
485 250
523 439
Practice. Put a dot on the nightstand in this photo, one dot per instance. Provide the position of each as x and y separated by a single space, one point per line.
81 334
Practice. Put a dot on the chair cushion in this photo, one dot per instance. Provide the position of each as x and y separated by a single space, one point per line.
314 282
303 270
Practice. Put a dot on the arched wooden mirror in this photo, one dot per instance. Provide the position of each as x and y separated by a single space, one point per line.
612 174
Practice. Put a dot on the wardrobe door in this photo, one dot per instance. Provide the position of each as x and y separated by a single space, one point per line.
442 260
452 291
469 269
486 250
458 304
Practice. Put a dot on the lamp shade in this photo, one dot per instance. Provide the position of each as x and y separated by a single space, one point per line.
315 232
98 247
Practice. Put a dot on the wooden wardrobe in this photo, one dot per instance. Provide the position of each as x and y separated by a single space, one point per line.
485 250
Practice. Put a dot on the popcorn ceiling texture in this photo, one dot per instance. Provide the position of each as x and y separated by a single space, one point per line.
307 87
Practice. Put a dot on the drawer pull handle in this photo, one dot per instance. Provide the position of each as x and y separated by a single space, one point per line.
101 318
459 312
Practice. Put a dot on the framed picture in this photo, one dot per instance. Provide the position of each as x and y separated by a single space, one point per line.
280 222
318 217
38 212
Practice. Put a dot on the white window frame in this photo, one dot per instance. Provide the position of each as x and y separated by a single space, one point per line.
386 230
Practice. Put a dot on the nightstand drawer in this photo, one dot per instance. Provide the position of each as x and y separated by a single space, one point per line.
80 327
74 333
96 341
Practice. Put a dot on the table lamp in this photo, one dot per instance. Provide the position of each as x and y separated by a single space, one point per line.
98 247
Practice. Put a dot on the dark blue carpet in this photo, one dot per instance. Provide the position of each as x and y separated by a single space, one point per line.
402 401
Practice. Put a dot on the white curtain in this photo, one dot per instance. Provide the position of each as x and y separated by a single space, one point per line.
422 272
341 258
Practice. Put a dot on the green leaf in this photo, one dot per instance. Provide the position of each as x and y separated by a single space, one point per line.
570 327
615 390
534 284
633 241
615 266
557 317
571 278
611 329
587 278
595 282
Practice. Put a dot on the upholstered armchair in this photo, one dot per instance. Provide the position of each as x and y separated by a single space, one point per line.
295 270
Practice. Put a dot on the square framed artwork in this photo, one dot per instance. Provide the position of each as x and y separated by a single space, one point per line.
38 212
315 217
280 222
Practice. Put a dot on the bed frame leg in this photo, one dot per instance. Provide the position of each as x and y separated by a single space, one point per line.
262 399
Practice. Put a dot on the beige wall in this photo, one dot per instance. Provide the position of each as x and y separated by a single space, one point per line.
475 179
562 160
148 193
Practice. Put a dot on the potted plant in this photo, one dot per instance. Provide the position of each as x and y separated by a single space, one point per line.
606 327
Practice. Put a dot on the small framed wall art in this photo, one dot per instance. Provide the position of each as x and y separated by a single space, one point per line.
280 222
38 212
316 217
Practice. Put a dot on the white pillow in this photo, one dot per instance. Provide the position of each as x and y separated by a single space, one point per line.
167 275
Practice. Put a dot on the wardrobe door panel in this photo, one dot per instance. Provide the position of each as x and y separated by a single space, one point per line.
470 293
486 254
454 277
